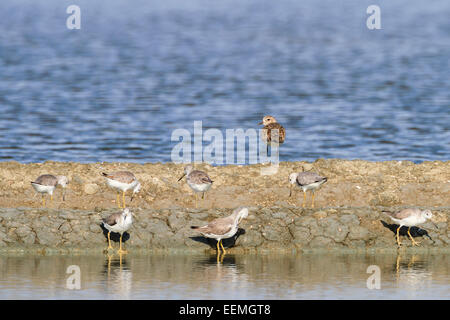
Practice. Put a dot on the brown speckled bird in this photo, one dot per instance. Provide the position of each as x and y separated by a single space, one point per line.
272 133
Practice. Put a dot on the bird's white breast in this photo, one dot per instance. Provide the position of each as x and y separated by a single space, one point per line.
121 226
43 189
312 186
200 187
227 235
120 185
410 221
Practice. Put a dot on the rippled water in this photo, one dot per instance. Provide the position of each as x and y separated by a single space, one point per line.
306 276
137 70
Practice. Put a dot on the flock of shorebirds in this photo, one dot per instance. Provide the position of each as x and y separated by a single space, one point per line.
200 182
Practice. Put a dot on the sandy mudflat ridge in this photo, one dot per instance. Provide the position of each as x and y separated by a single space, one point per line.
350 183
347 214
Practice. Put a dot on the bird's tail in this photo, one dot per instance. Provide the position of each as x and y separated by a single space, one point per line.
194 227
104 174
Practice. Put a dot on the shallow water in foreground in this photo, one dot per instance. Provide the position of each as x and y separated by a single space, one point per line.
179 276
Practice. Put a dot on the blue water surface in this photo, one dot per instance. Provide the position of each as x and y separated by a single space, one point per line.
116 89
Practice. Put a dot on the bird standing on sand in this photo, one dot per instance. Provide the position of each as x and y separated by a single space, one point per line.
272 133
223 228
307 181
47 183
409 217
198 180
122 181
118 222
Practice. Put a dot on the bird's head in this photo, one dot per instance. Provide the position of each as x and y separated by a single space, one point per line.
268 120
126 212
427 214
63 181
187 170
242 213
136 189
292 179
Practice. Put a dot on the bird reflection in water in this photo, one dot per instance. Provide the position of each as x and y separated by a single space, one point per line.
221 270
119 276
412 272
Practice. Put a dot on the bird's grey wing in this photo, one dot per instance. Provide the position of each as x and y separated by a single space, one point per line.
200 177
219 226
46 180
305 178
121 176
405 213
112 219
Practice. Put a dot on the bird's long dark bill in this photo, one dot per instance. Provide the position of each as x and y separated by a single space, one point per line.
260 122
290 191
182 177
64 196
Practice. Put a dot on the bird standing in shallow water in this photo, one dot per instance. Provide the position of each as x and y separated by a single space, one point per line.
409 217
307 181
122 181
223 228
198 180
47 183
118 222
272 133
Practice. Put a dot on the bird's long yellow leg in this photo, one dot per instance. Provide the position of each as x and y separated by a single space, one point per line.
120 246
398 236
43 200
123 198
51 197
304 199
218 249
414 243
313 195
221 244
196 200
109 241
109 265
397 265
118 200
